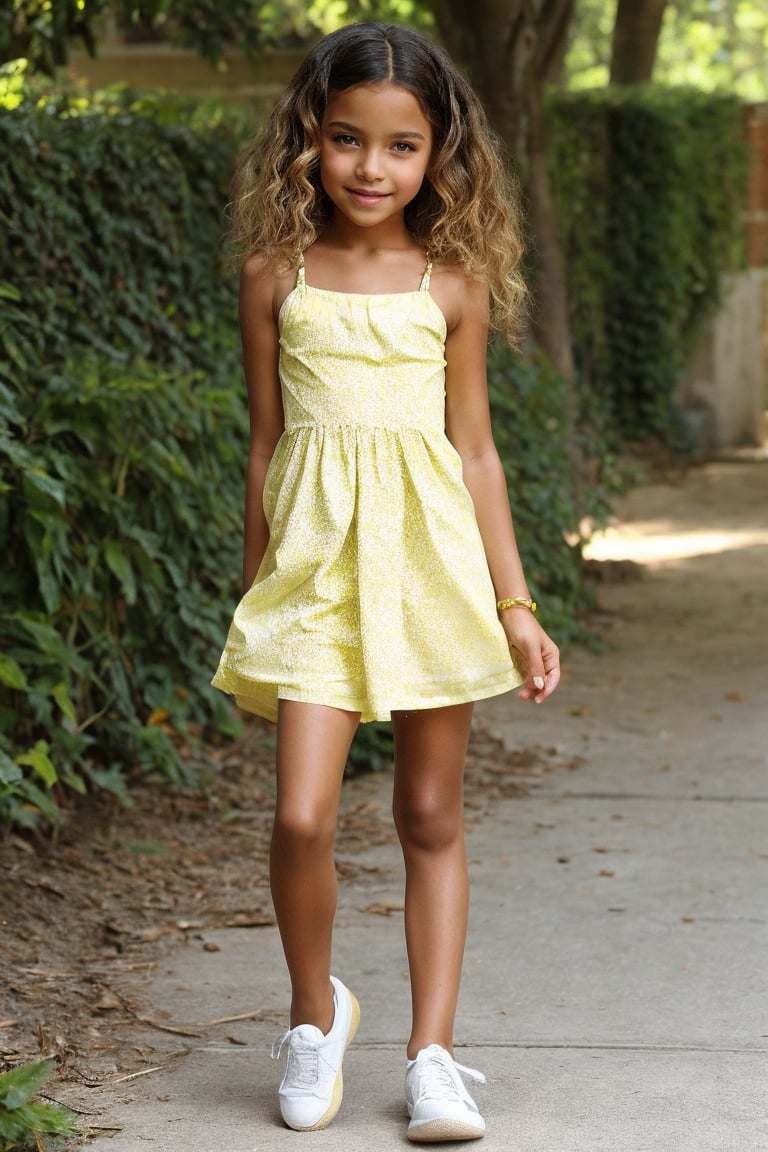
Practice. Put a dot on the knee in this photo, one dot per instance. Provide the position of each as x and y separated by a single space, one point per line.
428 825
304 831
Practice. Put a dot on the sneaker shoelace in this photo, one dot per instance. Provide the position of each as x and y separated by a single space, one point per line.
436 1077
302 1064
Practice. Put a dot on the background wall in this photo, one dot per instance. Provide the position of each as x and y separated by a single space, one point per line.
161 66
724 392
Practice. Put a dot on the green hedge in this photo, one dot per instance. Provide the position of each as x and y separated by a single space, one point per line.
649 185
112 219
530 411
120 531
122 440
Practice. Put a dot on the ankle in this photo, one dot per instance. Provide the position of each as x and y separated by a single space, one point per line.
318 1010
416 1046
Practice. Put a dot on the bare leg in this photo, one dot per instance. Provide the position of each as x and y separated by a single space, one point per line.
312 746
430 748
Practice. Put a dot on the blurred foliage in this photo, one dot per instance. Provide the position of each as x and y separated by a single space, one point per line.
649 185
544 452
373 748
706 44
44 31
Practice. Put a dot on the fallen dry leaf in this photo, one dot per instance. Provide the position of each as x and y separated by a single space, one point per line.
381 908
150 934
250 920
108 1002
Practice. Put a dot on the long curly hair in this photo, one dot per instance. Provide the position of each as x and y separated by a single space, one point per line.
466 210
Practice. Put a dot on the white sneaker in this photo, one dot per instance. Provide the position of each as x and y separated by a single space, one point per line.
439 1105
311 1090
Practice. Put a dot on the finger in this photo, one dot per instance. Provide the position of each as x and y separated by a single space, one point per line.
532 663
551 681
532 687
542 683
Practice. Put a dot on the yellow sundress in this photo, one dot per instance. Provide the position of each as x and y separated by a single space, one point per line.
374 593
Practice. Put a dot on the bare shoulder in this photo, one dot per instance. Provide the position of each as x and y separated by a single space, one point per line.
461 298
263 287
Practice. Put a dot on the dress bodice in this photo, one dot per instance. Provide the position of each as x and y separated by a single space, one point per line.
362 359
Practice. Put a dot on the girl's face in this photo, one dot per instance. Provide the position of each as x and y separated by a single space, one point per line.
375 152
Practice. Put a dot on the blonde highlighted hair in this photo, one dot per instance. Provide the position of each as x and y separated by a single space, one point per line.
466 211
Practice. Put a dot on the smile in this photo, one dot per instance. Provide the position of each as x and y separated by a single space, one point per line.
364 197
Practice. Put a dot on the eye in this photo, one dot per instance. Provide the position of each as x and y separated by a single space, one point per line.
345 139
403 147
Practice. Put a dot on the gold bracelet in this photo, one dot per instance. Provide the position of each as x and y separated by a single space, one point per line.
516 602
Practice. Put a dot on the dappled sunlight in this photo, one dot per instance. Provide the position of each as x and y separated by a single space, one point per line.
658 541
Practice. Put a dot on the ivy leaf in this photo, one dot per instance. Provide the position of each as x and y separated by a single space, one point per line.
38 759
121 567
36 478
11 674
35 803
8 292
64 701
10 773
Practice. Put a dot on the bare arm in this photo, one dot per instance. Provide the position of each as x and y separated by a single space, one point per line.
468 425
258 330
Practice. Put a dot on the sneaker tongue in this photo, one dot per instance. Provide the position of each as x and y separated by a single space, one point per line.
306 1034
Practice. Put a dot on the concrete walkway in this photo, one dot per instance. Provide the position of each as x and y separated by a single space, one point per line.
615 979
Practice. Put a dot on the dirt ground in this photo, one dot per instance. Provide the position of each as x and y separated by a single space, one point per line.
84 914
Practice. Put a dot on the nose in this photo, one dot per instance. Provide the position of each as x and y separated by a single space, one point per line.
369 165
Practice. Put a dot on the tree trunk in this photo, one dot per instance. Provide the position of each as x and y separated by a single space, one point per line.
635 39
511 49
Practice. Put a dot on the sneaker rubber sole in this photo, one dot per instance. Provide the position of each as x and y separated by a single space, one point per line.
444 1128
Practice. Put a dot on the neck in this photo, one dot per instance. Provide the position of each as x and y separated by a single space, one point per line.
390 234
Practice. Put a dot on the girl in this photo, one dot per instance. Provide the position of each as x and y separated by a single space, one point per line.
381 575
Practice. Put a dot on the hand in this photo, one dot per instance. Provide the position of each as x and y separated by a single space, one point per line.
538 654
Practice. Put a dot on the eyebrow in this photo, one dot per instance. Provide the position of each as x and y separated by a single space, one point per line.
406 135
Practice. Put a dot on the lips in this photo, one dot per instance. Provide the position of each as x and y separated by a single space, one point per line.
362 196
